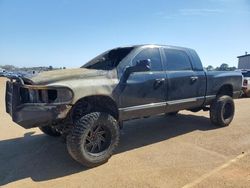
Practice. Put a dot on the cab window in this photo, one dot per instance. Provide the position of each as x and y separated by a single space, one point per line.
150 53
177 60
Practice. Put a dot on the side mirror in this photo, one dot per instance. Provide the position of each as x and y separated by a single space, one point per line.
141 66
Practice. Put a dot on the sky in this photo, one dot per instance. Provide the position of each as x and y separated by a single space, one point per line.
68 33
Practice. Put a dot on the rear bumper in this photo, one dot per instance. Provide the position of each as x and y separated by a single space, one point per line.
246 91
245 88
32 115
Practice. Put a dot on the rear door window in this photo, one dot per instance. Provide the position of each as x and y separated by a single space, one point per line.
177 60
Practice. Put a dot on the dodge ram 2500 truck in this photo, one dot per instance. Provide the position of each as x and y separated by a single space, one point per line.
88 105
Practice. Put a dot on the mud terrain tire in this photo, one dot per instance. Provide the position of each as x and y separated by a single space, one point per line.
93 139
222 111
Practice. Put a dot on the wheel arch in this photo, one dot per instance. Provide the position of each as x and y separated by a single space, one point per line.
226 89
101 103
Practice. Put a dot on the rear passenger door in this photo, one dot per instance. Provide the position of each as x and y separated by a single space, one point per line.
186 86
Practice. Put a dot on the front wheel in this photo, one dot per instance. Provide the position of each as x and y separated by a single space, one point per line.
222 111
93 139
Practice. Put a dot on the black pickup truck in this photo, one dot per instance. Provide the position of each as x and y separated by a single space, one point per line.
88 105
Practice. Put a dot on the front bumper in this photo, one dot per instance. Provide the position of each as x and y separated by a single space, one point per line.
30 115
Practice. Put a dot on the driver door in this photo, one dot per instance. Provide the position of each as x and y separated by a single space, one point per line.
145 92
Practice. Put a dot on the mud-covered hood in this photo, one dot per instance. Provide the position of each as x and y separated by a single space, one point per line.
49 77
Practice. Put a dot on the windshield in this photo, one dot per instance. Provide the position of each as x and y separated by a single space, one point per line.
108 60
246 74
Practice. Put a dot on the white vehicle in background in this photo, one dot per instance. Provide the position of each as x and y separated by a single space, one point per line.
246 82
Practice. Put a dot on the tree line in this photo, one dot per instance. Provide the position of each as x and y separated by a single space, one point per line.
37 69
222 67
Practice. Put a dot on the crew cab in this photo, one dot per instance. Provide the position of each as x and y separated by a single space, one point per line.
88 105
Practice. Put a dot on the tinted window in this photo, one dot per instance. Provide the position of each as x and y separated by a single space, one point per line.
153 54
177 60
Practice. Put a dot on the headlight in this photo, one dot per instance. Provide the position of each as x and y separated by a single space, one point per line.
44 94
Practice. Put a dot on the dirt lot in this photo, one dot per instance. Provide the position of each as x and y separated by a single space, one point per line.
183 151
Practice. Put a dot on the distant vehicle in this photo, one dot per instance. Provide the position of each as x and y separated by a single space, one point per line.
13 74
2 71
246 82
88 105
9 74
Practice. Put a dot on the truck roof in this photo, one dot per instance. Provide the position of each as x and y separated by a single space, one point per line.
158 45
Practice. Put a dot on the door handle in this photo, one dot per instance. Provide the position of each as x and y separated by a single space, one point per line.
158 82
193 78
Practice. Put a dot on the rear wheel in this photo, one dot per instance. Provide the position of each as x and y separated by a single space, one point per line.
51 131
222 111
93 139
